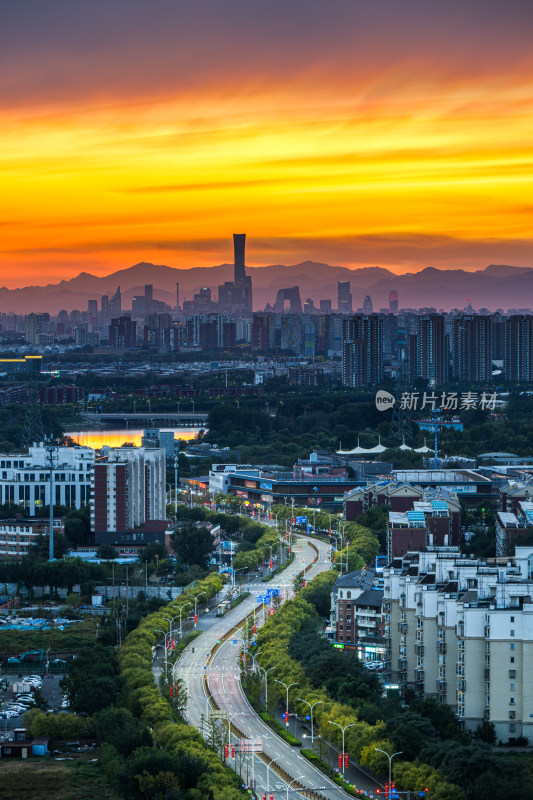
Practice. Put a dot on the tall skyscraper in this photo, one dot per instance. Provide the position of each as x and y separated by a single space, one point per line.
239 270
393 301
344 297
177 296
92 309
236 297
362 350
368 306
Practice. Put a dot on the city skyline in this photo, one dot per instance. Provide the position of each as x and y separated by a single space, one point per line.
392 135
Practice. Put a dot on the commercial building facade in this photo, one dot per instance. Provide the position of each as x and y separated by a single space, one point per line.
25 477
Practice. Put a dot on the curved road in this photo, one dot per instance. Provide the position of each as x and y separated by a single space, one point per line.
219 671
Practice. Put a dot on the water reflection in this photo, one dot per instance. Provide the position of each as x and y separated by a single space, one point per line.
116 438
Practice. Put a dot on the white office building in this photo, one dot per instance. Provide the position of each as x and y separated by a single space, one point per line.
25 477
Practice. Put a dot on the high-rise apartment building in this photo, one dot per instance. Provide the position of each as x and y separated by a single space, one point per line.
123 333
393 301
362 350
344 297
128 493
518 361
460 630
472 348
429 351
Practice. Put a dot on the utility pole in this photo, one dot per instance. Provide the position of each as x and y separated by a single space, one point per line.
50 448
176 462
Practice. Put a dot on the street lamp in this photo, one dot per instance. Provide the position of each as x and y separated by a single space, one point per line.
180 611
176 486
196 596
343 729
229 721
293 781
390 761
287 703
266 671
165 634
311 707
252 656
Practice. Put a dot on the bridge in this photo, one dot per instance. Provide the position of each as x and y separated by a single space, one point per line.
145 419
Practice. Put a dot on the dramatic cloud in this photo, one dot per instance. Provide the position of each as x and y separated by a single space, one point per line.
357 132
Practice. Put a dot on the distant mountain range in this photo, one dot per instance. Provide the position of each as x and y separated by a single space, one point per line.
496 286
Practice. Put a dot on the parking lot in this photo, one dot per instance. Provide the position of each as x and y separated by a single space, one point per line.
50 691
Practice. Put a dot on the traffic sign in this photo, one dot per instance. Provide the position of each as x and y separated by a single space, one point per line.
301 520
307 716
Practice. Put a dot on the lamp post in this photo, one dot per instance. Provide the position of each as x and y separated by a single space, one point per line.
287 703
196 596
311 707
229 721
165 634
390 757
253 657
266 671
176 486
343 729
180 611
293 781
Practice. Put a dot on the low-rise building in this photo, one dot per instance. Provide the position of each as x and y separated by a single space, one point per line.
356 621
18 535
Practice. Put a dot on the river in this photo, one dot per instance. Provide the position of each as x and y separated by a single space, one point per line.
99 437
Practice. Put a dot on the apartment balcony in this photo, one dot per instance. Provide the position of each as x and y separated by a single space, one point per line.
419 676
461 684
402 676
419 649
402 627
402 664
486 674
386 605
441 686
441 647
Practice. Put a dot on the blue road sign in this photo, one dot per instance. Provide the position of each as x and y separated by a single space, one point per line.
301 520
235 641
308 716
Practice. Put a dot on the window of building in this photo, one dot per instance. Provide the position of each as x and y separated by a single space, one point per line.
512 714
512 619
512 673
512 728
511 646
511 632
530 566
511 659
511 701
511 687
348 595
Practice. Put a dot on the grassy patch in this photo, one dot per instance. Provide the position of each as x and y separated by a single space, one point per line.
46 779
239 599
280 730
13 643
326 769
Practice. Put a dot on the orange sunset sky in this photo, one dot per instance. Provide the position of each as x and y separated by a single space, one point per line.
391 133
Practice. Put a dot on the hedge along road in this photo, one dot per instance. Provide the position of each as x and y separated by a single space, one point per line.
211 675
